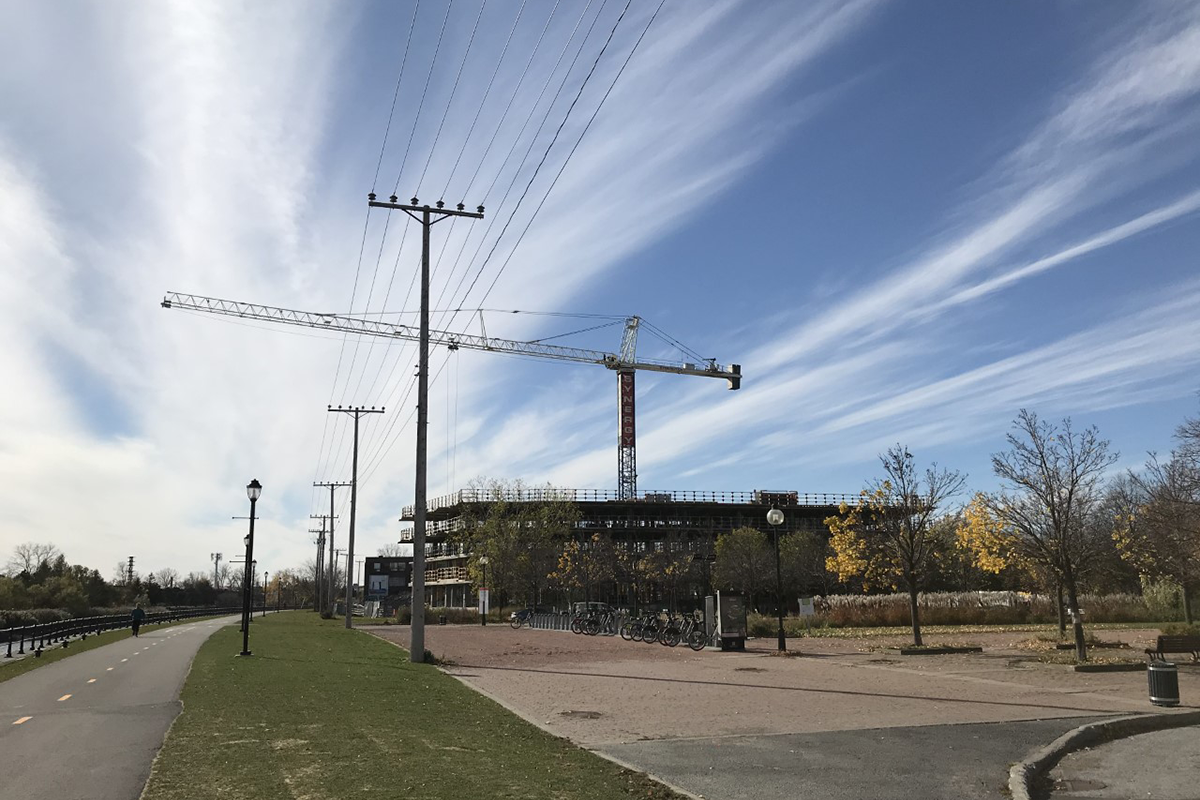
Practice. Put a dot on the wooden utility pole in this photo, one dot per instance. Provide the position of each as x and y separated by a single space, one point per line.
427 217
357 413
331 572
319 566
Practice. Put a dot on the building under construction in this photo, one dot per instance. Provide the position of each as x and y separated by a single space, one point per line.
687 523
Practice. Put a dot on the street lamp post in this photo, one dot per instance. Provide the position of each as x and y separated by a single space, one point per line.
253 490
775 519
483 562
266 583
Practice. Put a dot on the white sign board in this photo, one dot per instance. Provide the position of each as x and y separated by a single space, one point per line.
483 601
806 607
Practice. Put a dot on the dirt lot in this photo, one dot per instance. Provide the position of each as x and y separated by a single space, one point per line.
603 691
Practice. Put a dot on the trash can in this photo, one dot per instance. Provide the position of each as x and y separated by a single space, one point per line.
1164 683
441 619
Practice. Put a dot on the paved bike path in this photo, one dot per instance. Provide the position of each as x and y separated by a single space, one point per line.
88 727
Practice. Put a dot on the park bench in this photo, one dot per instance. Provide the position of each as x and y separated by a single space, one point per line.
1175 644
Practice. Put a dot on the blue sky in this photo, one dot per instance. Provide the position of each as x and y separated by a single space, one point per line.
905 221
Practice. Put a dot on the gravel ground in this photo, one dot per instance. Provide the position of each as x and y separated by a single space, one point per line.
845 719
601 690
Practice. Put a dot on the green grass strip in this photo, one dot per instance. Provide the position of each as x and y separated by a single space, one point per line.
322 712
56 652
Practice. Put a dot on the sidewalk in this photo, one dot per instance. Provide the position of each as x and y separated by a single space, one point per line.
1163 765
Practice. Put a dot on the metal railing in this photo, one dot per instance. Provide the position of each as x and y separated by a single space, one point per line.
37 636
535 495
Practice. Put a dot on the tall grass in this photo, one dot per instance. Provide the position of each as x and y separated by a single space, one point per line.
971 608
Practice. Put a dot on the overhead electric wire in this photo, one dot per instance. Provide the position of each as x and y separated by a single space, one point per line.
453 90
321 456
553 141
386 448
549 79
521 81
516 141
395 95
486 92
340 424
533 140
549 108
424 92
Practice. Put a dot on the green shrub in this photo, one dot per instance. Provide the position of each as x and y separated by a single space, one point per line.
1180 629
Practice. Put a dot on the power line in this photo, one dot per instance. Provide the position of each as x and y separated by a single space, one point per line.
483 100
528 150
388 437
424 92
395 95
550 147
453 90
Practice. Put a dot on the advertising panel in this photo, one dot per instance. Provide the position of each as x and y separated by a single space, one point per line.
627 432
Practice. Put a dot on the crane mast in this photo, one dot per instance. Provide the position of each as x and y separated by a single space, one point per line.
625 363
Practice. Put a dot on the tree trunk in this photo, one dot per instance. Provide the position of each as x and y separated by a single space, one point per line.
1062 614
1187 602
914 615
1073 598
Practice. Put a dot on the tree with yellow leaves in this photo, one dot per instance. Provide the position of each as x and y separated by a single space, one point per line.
586 564
1156 523
888 536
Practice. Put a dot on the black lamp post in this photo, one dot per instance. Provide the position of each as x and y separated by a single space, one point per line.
483 562
266 583
253 490
775 519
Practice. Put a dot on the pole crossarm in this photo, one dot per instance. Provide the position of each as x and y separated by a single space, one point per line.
452 340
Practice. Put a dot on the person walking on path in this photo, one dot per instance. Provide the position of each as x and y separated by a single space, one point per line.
137 615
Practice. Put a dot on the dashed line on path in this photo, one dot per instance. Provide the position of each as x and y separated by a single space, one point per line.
64 697
123 660
109 669
91 680
22 720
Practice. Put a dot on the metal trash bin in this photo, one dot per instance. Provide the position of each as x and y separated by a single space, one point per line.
441 619
1163 678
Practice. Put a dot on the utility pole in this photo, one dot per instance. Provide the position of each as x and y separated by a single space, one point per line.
357 412
428 217
332 571
216 559
322 594
319 569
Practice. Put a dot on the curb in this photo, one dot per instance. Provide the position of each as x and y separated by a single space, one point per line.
1023 774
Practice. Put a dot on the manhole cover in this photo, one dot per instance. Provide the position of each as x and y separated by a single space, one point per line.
748 669
1078 785
581 714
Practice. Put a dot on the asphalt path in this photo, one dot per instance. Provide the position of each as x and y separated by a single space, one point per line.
931 762
88 727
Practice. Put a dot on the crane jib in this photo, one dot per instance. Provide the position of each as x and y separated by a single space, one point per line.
452 340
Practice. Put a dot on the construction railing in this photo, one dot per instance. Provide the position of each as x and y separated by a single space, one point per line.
759 497
33 638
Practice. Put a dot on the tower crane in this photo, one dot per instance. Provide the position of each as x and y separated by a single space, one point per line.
625 363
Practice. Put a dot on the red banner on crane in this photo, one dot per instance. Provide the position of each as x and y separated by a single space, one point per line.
627 431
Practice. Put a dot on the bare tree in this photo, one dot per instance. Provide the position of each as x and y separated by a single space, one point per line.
166 577
29 556
889 537
1052 476
395 550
